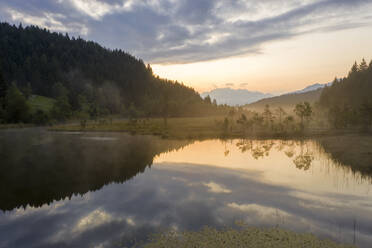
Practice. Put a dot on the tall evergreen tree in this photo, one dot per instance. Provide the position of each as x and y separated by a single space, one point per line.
303 111
354 69
17 108
363 65
268 116
3 89
62 108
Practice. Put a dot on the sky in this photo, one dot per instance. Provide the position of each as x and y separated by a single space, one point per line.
272 46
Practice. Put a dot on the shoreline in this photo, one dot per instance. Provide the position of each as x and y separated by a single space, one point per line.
198 128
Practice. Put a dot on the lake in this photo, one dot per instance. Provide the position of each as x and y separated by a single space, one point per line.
60 189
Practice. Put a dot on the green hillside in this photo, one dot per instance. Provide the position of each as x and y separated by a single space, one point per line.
85 78
43 103
287 102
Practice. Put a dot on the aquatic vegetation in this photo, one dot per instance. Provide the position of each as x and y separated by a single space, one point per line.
248 237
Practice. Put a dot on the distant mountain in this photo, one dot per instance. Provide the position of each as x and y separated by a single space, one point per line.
234 97
310 88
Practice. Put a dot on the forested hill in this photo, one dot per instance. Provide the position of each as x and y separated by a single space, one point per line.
286 101
349 99
54 64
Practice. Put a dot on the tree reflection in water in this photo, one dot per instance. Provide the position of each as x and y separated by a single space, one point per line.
304 159
40 167
261 148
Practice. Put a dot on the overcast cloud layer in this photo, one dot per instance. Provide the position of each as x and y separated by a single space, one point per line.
185 31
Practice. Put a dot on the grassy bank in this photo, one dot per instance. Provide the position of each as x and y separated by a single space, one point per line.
351 150
195 128
245 237
43 103
15 125
204 127
175 128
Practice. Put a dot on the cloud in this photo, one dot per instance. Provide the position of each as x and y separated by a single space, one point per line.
98 9
48 20
182 31
92 220
216 188
93 8
256 209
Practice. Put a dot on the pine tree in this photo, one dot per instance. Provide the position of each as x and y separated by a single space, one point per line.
61 109
363 65
304 111
268 115
335 81
3 89
281 113
354 69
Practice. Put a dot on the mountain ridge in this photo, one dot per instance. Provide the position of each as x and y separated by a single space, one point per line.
233 97
311 87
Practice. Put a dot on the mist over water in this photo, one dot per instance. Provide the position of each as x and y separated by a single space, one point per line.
111 189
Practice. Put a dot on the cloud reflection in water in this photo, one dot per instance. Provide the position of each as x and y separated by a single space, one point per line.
149 202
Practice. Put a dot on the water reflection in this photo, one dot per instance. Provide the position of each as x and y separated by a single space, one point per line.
264 183
186 196
39 167
258 148
301 151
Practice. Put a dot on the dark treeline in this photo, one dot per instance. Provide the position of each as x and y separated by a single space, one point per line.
348 102
85 79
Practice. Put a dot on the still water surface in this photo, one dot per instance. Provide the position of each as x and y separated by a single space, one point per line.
111 190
